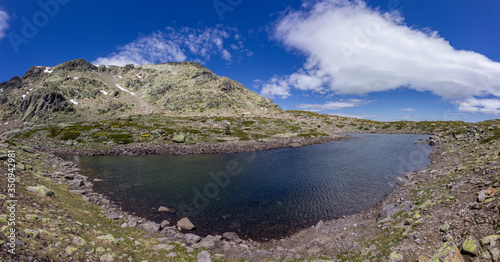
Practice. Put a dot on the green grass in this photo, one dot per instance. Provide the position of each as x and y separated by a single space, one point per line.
122 138
70 135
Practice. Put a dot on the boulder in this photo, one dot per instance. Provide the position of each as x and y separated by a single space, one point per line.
184 223
41 190
485 194
395 257
489 239
108 257
207 242
448 252
471 246
179 138
150 227
76 183
113 216
204 256
108 239
163 209
231 236
192 238
164 223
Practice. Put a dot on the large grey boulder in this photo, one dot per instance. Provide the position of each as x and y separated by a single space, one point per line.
184 223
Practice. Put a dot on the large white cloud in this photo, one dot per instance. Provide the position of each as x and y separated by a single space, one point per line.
176 45
351 48
4 18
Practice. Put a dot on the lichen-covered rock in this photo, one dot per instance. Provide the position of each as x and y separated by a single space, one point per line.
41 190
395 257
108 257
485 194
78 241
448 252
109 239
70 250
179 138
488 239
471 246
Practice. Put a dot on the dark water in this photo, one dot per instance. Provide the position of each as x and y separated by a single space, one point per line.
265 194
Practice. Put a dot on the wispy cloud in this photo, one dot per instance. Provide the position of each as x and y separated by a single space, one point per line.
176 45
331 105
351 48
4 25
407 109
484 106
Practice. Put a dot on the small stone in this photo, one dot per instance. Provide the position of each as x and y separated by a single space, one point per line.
150 227
395 257
163 247
78 241
444 228
41 190
192 238
495 254
485 194
319 224
113 216
204 256
471 246
172 254
164 223
488 239
448 252
32 233
69 250
179 138
231 236
163 209
110 239
100 250
184 223
108 257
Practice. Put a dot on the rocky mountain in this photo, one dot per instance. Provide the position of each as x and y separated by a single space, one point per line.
79 90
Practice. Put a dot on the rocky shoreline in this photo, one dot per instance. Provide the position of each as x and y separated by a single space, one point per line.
201 148
447 211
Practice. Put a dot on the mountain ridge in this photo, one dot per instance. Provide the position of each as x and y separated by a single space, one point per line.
80 90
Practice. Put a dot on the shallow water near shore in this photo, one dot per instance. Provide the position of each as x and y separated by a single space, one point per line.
260 195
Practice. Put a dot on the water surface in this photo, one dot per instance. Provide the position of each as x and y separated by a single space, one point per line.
265 194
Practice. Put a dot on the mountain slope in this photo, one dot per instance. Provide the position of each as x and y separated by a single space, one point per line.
79 90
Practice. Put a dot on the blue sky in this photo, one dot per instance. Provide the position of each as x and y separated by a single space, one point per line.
380 59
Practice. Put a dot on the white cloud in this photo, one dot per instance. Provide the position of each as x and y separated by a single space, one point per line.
176 45
485 106
276 87
351 48
330 105
4 18
407 109
360 116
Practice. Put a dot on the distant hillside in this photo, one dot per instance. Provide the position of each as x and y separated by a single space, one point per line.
79 90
